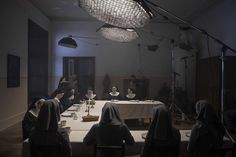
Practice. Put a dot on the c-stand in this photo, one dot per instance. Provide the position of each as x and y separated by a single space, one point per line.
173 107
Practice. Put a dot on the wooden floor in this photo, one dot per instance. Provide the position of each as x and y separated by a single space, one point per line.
11 141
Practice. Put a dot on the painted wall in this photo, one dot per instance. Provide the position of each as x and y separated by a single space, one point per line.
14 15
118 60
220 22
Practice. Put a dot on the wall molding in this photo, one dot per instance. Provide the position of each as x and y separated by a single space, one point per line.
6 123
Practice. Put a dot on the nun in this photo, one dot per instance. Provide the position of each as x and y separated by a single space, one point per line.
90 95
207 133
47 132
130 94
31 116
110 131
68 98
162 139
114 94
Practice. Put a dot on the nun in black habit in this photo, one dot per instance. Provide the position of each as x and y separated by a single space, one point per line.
31 116
110 131
207 133
162 139
114 94
47 132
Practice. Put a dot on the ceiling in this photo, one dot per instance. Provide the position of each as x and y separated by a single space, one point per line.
68 10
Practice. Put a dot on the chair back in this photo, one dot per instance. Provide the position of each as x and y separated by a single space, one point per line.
165 151
109 151
45 150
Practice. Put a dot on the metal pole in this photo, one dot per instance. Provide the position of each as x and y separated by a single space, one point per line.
173 75
222 82
185 71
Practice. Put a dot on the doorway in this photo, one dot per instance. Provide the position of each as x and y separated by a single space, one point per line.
37 61
80 70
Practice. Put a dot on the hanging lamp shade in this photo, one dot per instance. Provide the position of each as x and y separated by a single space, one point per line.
118 34
67 42
120 13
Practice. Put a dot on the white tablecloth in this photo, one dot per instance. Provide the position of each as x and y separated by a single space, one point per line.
81 150
136 109
127 109
79 124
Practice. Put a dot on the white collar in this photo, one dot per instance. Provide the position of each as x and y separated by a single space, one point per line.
57 99
34 112
116 94
130 96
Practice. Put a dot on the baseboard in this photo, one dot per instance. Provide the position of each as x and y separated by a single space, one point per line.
11 120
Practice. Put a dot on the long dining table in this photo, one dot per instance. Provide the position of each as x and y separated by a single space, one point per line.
127 110
73 119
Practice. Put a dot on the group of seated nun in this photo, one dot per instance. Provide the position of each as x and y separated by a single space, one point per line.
46 131
116 95
162 140
113 95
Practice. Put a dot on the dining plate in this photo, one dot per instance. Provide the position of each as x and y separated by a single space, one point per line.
66 114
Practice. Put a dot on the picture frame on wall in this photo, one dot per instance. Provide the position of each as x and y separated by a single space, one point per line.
13 71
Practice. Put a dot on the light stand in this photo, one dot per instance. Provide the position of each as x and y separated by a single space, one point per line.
173 76
185 72
173 105
185 59
225 47
223 50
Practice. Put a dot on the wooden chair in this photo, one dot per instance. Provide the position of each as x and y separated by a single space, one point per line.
45 150
109 151
166 151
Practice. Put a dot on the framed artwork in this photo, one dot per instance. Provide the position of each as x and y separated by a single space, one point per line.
13 71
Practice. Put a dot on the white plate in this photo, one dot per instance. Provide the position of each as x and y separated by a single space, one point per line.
66 114
77 105
72 109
